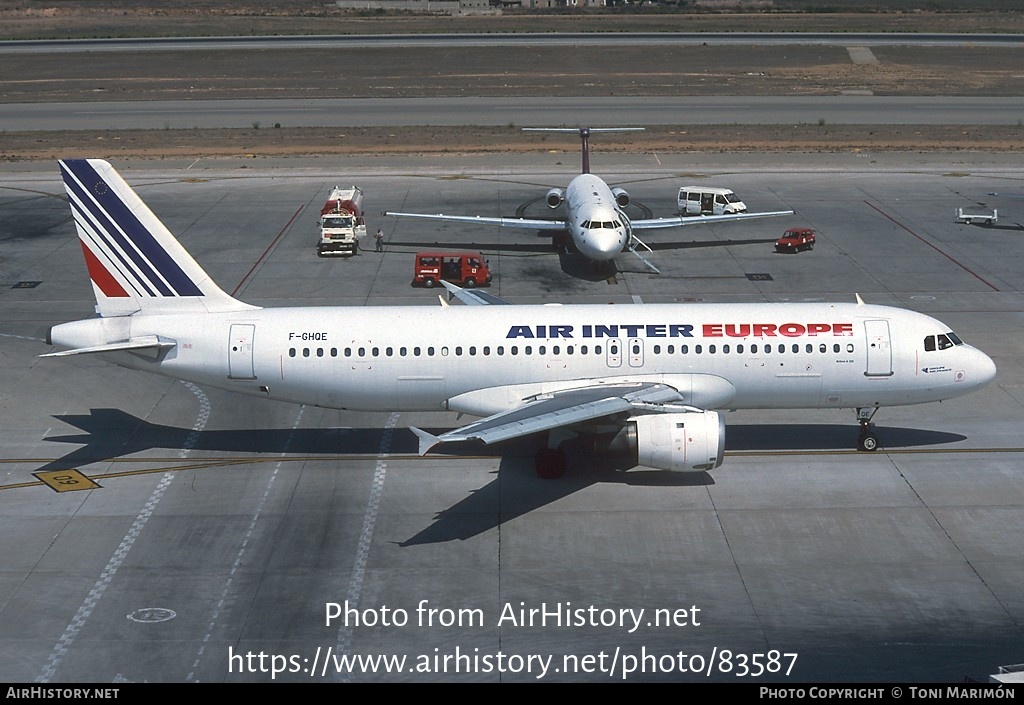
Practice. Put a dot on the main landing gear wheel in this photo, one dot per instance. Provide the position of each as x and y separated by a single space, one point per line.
550 463
867 441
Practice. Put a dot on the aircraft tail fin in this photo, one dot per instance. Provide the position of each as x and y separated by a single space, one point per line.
134 262
584 133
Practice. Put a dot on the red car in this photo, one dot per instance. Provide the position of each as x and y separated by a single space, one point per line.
794 240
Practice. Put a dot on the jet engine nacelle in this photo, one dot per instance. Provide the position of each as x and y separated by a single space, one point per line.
555 197
621 197
692 441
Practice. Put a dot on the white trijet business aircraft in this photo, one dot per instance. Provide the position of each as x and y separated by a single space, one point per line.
594 216
650 377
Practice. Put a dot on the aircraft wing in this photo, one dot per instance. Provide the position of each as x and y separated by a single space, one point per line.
527 223
559 409
678 221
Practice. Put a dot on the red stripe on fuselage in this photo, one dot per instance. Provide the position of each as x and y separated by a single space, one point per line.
100 276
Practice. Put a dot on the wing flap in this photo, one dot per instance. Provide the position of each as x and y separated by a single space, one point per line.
556 410
679 221
527 223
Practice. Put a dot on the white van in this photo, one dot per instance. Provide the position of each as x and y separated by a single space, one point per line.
709 200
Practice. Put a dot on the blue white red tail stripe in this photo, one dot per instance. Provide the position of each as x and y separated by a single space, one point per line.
119 239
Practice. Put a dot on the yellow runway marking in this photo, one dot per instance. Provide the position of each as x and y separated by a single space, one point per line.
66 481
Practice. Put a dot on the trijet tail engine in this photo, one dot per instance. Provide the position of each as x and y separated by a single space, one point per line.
621 197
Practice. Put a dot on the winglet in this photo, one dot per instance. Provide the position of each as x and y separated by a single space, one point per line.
427 440
860 301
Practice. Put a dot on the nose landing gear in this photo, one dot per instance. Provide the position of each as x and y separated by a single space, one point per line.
867 441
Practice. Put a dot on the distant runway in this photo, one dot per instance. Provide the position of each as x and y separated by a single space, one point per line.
557 39
536 110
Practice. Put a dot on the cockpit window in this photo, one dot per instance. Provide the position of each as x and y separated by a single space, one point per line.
941 342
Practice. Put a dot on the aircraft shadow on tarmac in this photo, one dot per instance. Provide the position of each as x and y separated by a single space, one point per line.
515 489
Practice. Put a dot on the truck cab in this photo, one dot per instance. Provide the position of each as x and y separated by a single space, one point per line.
708 200
466 269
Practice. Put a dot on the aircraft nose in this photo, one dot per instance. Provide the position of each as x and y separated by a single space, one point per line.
603 244
985 369
979 369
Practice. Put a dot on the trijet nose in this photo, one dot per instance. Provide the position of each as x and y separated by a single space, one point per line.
602 245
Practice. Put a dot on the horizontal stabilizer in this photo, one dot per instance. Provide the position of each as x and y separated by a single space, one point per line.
149 342
472 297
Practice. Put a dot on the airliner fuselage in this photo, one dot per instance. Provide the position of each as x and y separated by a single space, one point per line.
736 356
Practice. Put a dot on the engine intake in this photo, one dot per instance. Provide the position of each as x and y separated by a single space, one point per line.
692 441
621 197
555 197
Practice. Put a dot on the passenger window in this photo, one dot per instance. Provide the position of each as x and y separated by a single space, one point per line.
657 349
305 352
725 349
291 352
849 347
809 348
739 348
319 352
684 349
712 349
389 351
698 349
835 348
823 348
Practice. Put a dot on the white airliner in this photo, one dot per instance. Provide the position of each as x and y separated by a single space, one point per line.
594 216
649 377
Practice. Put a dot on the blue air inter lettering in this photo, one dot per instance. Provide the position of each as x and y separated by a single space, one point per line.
682 330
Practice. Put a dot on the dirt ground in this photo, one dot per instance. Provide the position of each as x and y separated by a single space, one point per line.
271 142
